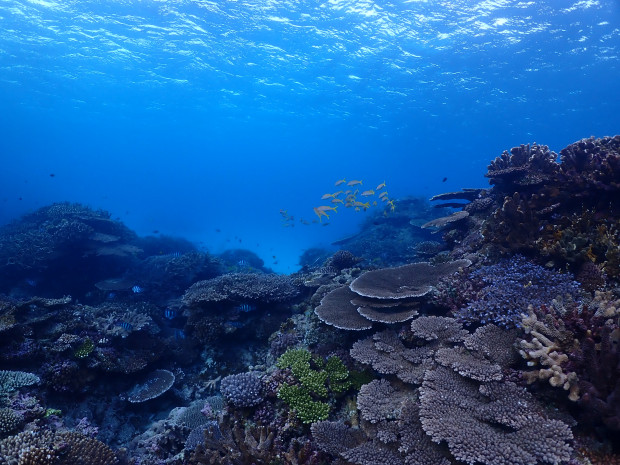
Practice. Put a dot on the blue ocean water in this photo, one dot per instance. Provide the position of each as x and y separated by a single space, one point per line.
204 119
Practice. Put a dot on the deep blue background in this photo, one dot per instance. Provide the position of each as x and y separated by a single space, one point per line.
189 117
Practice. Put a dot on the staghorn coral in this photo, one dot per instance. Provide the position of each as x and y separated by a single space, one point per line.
493 424
387 354
509 286
395 435
432 328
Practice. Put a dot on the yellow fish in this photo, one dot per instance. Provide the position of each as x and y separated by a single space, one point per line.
340 181
360 204
367 193
323 208
336 194
326 196
320 213
383 194
337 201
353 183
374 203
380 186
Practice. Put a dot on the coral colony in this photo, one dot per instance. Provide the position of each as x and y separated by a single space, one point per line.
482 331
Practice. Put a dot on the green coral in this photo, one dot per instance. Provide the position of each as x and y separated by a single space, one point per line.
53 411
294 357
338 375
85 349
300 400
317 379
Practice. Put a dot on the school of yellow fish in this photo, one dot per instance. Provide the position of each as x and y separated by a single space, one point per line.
348 197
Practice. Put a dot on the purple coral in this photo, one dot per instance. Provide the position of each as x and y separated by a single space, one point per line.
494 424
510 286
242 389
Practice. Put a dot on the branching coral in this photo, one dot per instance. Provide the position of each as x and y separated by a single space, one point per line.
510 286
316 384
495 423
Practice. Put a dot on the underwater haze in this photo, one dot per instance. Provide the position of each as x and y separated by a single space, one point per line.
205 119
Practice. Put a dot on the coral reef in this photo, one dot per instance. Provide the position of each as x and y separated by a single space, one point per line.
564 213
501 347
388 241
58 240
